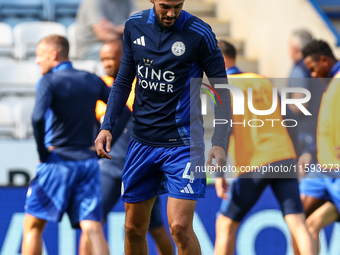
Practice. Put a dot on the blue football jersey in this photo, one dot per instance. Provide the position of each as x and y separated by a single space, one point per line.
167 108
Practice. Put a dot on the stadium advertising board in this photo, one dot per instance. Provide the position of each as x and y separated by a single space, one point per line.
262 232
19 159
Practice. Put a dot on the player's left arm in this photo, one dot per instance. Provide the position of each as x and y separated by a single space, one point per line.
42 102
211 59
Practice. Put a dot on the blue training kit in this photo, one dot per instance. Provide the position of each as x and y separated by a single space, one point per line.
167 133
247 189
164 60
68 178
58 97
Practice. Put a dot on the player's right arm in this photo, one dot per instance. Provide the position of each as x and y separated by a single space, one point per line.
42 102
118 96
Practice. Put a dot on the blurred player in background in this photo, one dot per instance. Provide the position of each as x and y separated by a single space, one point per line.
68 177
111 170
322 182
229 55
266 145
165 47
300 78
100 21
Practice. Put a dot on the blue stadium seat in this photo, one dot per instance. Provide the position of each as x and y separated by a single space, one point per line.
62 11
15 11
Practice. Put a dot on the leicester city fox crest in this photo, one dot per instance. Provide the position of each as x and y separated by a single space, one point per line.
178 48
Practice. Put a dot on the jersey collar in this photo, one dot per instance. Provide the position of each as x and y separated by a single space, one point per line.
61 66
334 70
233 70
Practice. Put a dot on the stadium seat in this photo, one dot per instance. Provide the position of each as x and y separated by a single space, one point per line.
6 119
85 65
63 11
14 11
18 77
27 34
22 113
15 116
71 36
6 40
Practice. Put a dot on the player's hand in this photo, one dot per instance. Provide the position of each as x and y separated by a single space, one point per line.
219 155
304 159
221 187
104 138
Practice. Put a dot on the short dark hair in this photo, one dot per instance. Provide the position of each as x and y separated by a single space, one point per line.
317 48
227 49
59 43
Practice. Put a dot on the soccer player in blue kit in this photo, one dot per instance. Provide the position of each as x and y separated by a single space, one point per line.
165 47
68 177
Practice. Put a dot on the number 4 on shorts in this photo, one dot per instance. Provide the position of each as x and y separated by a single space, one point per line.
185 175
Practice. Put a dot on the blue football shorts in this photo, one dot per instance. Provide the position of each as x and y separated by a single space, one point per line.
325 186
111 188
66 186
150 171
247 189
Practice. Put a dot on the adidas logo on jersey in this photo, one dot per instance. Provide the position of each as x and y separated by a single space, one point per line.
187 189
140 41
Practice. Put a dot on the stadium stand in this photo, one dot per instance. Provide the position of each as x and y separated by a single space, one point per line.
17 89
6 119
62 11
329 10
330 7
6 41
71 36
15 116
27 34
22 112
18 77
15 11
85 65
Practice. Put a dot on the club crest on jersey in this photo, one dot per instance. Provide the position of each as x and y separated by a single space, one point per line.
178 48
